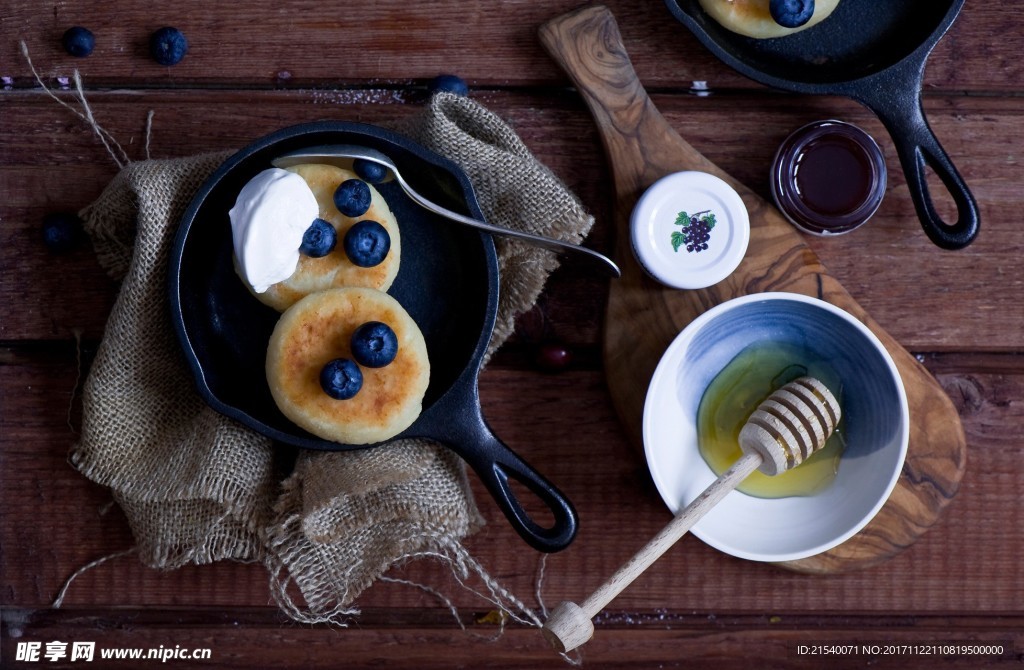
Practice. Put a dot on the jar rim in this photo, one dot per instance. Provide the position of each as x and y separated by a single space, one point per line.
786 193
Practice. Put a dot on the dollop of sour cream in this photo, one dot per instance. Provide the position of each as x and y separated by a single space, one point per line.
270 215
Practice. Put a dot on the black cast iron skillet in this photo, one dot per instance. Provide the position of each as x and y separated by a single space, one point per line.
447 281
873 51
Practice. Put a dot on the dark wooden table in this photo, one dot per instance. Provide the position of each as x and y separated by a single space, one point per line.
258 66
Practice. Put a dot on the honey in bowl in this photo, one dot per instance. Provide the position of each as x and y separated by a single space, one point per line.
753 375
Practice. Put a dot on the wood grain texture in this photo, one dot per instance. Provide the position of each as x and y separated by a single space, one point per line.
54 521
253 69
927 299
259 638
643 317
954 583
395 42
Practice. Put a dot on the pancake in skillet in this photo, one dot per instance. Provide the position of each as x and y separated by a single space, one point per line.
318 329
335 269
752 18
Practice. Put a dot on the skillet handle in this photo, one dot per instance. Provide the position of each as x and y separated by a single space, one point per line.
903 116
471 438
502 464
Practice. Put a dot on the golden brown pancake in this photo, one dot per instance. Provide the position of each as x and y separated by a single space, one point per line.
335 269
752 18
318 329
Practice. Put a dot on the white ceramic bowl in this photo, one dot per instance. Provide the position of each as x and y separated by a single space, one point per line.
877 426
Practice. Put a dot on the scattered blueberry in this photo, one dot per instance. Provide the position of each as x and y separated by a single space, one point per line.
367 243
341 379
78 41
168 46
319 239
448 83
791 13
370 171
374 344
553 357
62 231
352 198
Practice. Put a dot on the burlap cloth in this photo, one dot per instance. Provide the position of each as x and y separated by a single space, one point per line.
198 487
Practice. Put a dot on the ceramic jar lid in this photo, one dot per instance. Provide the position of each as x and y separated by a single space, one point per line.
690 230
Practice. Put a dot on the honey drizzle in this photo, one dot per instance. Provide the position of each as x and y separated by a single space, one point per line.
752 376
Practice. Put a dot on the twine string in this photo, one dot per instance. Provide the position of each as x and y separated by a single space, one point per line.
59 600
113 147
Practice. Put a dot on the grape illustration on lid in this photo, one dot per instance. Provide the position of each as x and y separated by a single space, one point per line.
689 230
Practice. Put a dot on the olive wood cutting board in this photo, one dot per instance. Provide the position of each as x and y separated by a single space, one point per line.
643 316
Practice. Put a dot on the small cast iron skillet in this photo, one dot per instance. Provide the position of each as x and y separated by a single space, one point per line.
873 51
447 281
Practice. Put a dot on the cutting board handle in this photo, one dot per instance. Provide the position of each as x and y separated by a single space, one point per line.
587 45
640 144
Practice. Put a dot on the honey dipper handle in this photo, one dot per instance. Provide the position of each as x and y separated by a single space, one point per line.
671 533
570 625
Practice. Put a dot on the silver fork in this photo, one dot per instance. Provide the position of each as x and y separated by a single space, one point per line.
342 155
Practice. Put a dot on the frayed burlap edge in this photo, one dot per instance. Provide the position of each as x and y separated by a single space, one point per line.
524 272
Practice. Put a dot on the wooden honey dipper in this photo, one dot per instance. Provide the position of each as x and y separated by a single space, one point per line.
784 430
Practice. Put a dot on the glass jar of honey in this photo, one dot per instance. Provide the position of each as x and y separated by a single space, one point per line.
828 177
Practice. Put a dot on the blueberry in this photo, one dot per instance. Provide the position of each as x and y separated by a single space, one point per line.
367 243
319 239
168 46
341 379
448 83
62 231
371 171
374 344
78 41
352 198
791 13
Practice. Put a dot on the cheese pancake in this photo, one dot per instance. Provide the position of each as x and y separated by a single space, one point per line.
752 18
318 329
336 269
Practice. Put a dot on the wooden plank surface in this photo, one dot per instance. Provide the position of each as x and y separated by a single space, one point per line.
51 162
253 71
247 638
370 44
618 506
